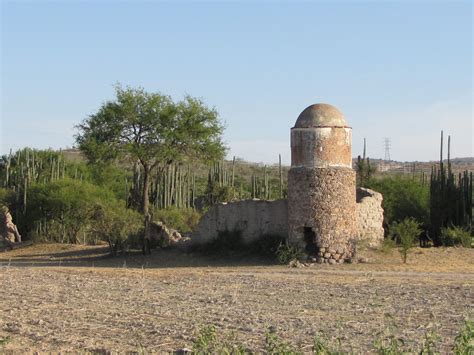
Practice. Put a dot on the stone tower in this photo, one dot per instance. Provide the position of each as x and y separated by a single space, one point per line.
322 185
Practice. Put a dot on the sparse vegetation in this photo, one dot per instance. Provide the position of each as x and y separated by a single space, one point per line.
321 346
456 236
287 252
388 245
208 340
405 233
4 341
464 341
275 345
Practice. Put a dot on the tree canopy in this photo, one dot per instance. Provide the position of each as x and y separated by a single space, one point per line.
151 129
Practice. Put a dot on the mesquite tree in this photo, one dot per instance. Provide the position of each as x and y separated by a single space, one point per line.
151 129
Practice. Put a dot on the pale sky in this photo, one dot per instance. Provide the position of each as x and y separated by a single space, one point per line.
398 69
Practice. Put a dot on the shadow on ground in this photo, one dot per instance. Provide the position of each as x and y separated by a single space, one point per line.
47 255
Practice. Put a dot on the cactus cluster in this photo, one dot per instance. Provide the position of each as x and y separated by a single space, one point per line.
451 201
173 185
220 183
263 189
27 166
364 170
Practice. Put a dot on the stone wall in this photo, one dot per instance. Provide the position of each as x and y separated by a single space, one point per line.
370 216
254 218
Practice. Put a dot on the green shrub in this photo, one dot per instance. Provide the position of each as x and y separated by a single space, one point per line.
464 341
114 224
456 236
183 220
287 252
7 197
402 198
405 233
64 211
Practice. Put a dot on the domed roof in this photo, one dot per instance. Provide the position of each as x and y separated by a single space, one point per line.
320 115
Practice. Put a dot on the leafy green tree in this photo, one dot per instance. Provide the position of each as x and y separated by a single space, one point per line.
151 129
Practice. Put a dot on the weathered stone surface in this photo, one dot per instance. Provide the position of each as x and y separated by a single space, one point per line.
369 216
324 200
270 217
254 218
8 230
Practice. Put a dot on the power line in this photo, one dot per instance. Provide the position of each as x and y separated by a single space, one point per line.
387 144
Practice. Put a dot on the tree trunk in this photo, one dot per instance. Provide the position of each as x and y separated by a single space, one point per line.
146 185
145 204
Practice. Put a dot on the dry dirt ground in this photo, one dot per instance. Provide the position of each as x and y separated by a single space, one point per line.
57 298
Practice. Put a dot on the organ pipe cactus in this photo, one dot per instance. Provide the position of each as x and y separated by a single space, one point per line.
451 200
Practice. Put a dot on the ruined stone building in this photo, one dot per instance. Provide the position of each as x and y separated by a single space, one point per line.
322 185
324 214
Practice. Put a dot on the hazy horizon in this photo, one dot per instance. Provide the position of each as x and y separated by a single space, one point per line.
401 70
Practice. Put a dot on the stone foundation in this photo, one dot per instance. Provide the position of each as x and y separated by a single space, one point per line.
321 212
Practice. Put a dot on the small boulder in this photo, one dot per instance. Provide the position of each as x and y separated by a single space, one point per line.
8 230
164 236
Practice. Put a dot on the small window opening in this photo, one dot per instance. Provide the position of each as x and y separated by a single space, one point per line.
312 248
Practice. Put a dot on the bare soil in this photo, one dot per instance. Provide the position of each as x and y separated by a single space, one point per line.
63 298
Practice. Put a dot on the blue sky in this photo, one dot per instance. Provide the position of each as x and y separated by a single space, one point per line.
399 69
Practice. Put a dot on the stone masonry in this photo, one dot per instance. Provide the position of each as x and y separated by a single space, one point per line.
321 185
254 218
257 218
369 216
323 221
